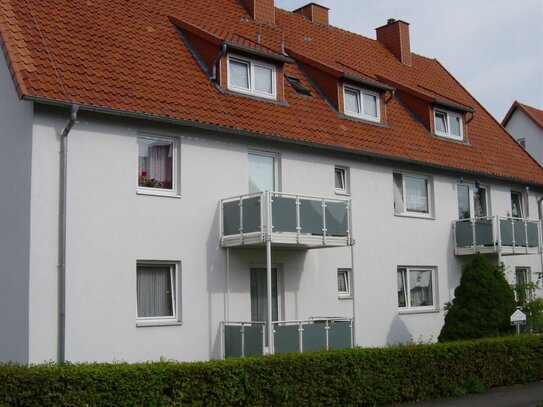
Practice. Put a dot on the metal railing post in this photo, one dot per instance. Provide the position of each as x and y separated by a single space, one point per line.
300 337
326 332
298 219
324 221
513 233
242 331
263 337
473 235
526 233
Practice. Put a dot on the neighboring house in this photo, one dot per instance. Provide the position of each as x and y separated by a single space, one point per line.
525 123
177 174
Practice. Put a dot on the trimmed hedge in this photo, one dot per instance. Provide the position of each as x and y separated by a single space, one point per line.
348 377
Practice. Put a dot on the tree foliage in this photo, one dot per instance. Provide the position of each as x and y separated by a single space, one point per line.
482 305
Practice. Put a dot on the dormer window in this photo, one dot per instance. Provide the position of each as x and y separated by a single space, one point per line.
448 124
251 77
361 103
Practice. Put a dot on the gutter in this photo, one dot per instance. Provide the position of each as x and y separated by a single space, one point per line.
247 133
62 235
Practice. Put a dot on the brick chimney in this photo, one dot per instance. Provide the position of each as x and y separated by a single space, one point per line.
315 13
394 35
261 10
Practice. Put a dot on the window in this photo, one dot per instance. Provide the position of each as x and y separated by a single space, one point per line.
157 299
448 124
344 282
522 281
522 142
472 200
252 77
416 288
262 172
156 164
412 194
517 210
341 180
361 103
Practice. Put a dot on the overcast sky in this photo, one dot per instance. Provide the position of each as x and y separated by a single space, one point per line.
493 47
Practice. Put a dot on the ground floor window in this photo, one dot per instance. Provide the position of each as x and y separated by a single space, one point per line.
416 288
522 284
157 296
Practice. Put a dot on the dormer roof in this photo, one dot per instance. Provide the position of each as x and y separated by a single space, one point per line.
129 58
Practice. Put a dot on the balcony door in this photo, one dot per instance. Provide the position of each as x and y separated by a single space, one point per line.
259 295
262 172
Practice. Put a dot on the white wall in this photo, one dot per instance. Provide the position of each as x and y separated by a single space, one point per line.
15 162
520 126
110 227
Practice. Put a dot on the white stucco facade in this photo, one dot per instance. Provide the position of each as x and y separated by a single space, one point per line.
522 127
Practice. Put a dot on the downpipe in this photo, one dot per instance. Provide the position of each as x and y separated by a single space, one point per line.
63 189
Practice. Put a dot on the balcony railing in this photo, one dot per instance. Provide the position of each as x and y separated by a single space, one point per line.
286 219
497 234
249 338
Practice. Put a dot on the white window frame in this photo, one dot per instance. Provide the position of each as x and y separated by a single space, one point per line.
523 212
426 308
448 114
471 195
429 193
347 275
175 165
527 271
275 157
360 92
346 188
251 63
175 281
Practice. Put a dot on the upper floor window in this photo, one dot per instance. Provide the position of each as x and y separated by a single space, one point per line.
472 201
251 77
262 171
448 124
156 164
517 210
361 103
341 175
412 194
344 283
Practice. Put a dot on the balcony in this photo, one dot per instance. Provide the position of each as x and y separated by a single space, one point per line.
285 219
249 338
497 234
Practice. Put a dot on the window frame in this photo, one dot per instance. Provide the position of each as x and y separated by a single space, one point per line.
175 287
360 92
448 114
415 309
251 63
429 195
346 187
348 281
472 200
520 194
276 157
175 166
527 274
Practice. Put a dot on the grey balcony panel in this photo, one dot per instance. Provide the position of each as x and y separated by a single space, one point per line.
314 336
520 232
336 219
464 234
483 232
251 215
311 216
339 335
232 341
533 234
286 338
506 232
254 340
284 214
231 221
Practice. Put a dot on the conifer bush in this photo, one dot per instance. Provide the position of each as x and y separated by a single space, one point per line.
482 304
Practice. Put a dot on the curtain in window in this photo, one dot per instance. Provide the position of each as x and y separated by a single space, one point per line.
160 163
370 105
154 291
516 205
398 193
420 284
263 79
401 280
416 194
351 101
239 74
480 203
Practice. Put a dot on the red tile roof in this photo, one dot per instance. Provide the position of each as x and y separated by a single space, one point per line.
128 55
533 114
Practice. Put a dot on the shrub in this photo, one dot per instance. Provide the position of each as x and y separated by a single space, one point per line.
482 304
347 377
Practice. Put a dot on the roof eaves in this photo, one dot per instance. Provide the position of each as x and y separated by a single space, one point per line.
314 63
368 82
264 54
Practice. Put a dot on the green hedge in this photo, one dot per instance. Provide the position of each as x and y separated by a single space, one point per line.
349 377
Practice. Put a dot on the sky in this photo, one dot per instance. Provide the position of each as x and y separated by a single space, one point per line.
494 48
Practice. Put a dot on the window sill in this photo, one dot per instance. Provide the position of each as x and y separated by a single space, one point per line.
344 193
418 311
157 193
344 297
413 215
157 322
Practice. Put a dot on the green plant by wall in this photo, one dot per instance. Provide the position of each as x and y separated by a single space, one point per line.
352 377
482 304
